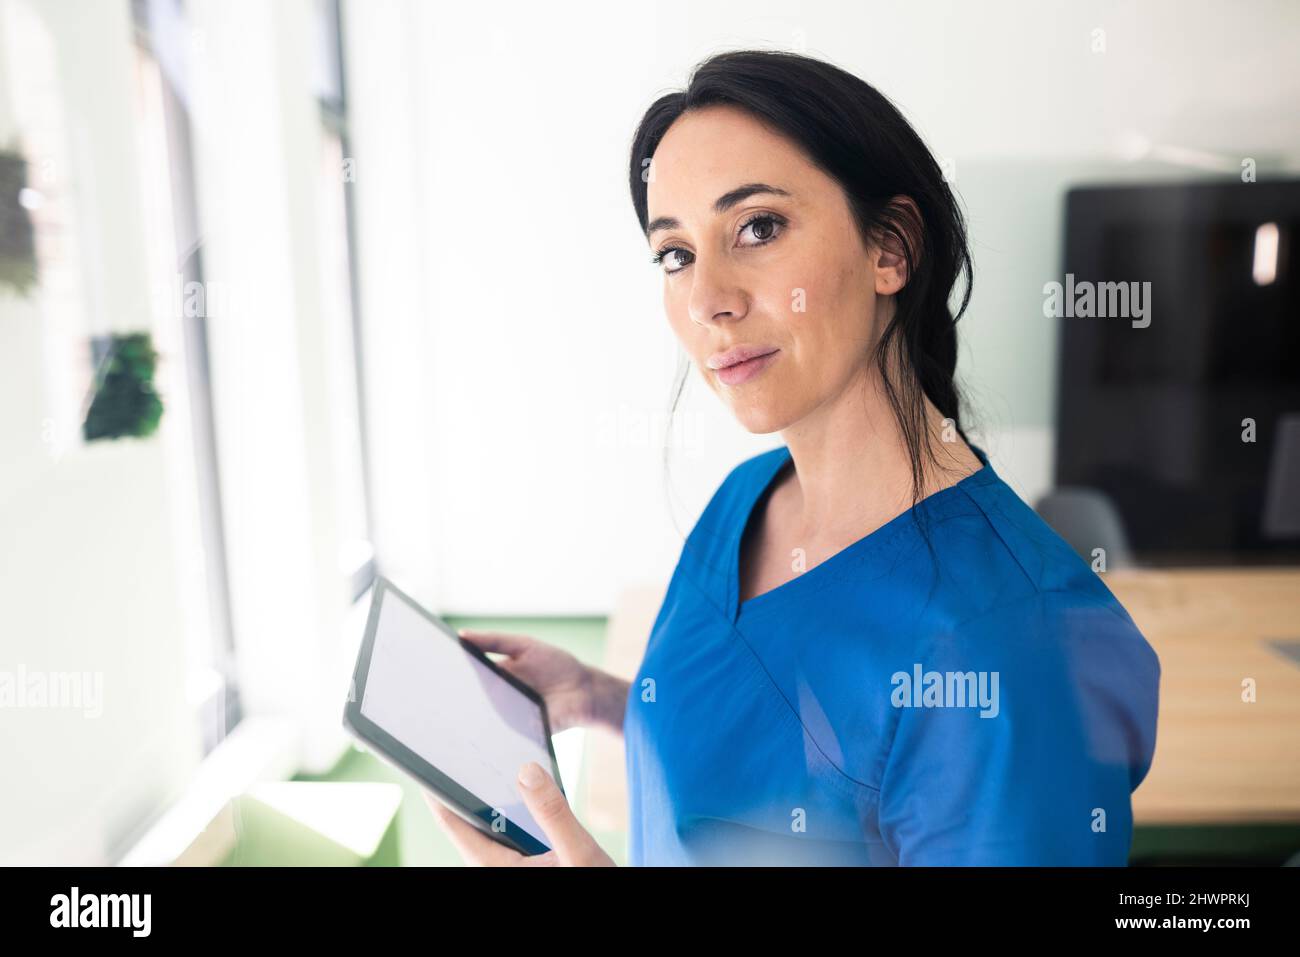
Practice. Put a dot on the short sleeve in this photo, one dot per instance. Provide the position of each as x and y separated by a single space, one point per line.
1041 768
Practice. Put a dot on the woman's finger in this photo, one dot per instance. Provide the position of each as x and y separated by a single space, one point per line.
496 641
549 859
474 846
571 842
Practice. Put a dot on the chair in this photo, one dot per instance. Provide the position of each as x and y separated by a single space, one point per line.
1087 519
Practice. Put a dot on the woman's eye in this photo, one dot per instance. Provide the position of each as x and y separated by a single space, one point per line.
762 227
666 255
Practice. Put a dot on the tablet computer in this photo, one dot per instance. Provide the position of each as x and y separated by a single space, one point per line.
436 707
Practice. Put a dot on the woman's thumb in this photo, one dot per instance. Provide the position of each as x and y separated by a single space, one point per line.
550 809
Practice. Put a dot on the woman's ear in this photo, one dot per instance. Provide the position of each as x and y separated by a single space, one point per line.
903 224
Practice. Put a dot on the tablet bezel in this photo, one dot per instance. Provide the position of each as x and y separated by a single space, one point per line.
468 805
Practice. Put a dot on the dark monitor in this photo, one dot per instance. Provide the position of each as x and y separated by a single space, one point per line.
1155 381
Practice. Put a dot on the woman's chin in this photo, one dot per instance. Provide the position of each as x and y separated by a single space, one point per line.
759 421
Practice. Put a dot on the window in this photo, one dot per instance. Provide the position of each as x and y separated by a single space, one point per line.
341 312
179 301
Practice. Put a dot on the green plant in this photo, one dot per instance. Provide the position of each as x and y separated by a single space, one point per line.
125 402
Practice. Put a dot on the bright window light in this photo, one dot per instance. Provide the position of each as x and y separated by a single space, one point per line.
1265 270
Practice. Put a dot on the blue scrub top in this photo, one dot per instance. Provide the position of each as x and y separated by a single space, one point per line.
997 707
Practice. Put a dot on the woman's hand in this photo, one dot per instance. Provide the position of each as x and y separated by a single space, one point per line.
571 844
575 694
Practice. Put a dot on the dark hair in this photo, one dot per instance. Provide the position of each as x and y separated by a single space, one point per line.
858 137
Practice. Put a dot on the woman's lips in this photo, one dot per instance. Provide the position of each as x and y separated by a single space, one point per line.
744 371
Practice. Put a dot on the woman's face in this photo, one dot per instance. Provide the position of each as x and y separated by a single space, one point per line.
782 270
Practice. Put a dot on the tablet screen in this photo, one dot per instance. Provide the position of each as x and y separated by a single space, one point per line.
448 707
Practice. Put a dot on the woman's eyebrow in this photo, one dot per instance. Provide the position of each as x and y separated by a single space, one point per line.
720 205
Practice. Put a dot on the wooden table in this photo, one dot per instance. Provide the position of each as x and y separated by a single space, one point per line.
1220 760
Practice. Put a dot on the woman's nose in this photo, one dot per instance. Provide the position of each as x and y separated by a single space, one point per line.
716 295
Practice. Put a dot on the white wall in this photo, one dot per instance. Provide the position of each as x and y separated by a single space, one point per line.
511 295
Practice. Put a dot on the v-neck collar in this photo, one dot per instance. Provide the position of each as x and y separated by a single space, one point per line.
766 479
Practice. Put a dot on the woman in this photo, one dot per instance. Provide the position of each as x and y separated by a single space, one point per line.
871 650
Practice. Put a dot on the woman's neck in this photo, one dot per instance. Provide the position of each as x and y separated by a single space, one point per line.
852 466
